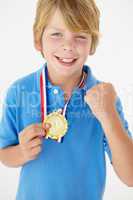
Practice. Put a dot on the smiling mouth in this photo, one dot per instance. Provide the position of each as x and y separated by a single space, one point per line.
66 61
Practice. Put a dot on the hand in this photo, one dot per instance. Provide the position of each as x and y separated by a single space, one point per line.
30 140
101 99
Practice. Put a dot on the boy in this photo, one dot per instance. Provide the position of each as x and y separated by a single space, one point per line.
65 32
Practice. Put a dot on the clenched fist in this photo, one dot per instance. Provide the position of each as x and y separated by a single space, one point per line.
101 99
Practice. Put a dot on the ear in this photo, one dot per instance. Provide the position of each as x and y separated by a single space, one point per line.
38 46
91 52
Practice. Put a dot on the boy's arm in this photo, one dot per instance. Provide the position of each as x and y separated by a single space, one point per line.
12 156
121 147
102 100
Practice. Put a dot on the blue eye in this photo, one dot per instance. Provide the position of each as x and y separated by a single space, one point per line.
81 37
57 34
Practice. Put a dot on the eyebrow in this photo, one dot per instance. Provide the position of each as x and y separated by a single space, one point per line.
58 29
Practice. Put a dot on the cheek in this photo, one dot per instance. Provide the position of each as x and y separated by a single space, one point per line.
83 46
83 50
49 45
54 43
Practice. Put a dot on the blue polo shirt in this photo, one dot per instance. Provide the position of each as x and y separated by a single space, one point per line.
74 169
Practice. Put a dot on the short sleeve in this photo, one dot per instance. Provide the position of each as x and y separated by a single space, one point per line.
8 125
119 109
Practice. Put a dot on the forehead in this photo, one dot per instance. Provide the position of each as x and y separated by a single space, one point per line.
57 28
57 23
53 28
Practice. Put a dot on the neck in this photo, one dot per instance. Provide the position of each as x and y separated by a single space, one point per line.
67 83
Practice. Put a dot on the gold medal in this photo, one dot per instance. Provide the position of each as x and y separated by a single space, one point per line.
59 125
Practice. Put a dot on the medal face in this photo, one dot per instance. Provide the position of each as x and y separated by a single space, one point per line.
58 127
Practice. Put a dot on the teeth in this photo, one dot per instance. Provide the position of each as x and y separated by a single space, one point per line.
67 60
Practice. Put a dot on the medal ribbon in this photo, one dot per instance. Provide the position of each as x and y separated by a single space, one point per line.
43 93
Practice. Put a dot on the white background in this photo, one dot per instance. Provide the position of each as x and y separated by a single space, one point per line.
112 62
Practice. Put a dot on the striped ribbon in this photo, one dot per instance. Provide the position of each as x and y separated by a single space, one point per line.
43 93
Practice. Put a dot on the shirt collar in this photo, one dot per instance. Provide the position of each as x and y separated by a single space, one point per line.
89 82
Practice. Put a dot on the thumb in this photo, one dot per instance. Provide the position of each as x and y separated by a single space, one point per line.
46 125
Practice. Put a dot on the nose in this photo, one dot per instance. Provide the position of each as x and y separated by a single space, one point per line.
68 45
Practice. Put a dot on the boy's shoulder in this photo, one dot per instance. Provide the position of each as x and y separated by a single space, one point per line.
92 80
27 82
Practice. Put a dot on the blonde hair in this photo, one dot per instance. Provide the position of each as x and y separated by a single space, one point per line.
78 15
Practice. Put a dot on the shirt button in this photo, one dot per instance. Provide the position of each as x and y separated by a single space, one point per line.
55 91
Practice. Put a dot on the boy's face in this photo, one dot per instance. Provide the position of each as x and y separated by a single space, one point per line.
58 41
